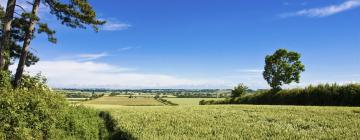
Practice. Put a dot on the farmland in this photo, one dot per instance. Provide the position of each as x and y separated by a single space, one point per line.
124 101
231 121
189 101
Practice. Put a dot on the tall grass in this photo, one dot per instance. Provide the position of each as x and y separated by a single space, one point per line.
228 122
320 95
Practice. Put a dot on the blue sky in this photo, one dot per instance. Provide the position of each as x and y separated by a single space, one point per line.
202 43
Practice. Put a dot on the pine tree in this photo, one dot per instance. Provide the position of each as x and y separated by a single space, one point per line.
6 28
75 14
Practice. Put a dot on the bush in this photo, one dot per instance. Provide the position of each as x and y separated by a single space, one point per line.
321 95
239 91
34 111
33 82
29 114
166 102
5 80
42 114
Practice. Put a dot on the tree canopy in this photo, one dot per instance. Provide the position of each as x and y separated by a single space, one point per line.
283 67
239 90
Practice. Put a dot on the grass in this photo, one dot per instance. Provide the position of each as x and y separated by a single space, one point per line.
236 122
124 101
189 101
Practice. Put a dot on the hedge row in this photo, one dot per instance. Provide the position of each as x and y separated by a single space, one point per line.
166 102
320 95
42 114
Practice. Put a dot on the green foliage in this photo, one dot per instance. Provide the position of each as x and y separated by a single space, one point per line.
81 123
38 113
157 96
321 95
74 13
239 90
95 96
5 80
2 12
29 113
282 67
33 82
19 25
165 102
114 94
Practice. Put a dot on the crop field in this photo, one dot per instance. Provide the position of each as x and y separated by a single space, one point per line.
124 101
189 101
76 100
236 122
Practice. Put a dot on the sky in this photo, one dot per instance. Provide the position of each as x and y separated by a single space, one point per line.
201 43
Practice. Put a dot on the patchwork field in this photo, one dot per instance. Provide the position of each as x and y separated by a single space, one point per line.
189 101
236 122
124 101
76 100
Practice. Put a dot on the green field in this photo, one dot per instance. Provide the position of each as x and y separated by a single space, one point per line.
124 101
235 121
189 101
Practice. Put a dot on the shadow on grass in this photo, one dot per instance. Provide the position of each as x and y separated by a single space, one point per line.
114 132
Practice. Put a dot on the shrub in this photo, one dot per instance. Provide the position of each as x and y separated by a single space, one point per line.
166 102
33 82
321 95
5 80
41 114
239 90
29 114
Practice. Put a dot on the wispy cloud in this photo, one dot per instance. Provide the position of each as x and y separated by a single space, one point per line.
75 74
114 25
88 57
325 11
294 4
128 48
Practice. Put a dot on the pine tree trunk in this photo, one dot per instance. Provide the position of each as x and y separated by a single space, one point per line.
26 45
5 42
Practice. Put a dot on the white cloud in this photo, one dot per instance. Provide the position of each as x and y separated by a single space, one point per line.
128 48
87 57
73 74
325 11
83 57
114 25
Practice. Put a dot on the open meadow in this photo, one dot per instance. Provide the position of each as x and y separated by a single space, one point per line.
233 121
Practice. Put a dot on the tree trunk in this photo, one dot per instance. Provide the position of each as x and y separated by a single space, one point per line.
5 42
26 45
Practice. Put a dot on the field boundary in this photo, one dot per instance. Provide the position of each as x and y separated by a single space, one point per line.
166 102
115 133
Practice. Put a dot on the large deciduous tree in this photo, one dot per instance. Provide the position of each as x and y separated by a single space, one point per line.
283 67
